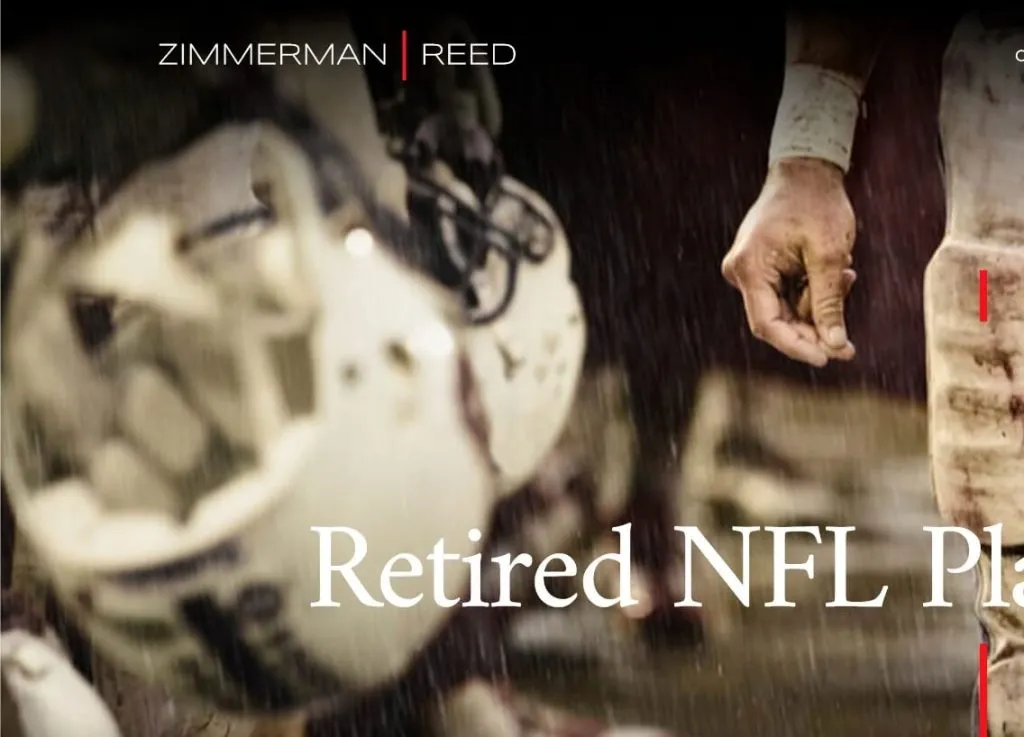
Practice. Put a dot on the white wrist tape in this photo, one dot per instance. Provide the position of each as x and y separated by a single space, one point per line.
817 116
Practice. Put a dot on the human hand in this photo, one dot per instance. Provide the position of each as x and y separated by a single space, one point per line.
791 261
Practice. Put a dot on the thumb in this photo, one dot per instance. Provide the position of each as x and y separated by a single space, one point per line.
828 284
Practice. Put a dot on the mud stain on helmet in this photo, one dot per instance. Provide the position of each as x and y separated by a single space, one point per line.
350 374
400 357
510 364
473 411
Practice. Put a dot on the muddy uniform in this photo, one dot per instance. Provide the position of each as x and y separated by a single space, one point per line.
975 352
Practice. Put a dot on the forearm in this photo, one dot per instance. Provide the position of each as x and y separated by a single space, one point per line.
828 61
838 43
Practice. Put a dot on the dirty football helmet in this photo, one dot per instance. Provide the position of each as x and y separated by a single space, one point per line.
250 337
505 253
525 337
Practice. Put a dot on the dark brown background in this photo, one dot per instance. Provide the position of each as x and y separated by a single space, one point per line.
649 134
652 154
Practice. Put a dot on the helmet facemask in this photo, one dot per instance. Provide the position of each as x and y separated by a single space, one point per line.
208 328
215 364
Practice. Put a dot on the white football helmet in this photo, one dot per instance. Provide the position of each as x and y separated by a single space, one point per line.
256 383
496 243
276 352
506 254
526 337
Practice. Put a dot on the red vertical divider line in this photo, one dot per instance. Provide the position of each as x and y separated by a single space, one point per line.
405 55
983 295
983 690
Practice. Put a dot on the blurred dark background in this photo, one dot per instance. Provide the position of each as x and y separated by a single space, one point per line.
649 133
651 138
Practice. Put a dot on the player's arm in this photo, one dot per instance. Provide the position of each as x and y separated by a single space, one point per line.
840 43
792 256
829 58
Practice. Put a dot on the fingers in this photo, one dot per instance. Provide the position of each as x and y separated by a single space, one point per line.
849 279
769 321
798 227
772 321
827 283
768 315
803 303
804 314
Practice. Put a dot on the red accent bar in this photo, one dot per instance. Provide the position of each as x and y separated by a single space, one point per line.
983 295
405 55
983 689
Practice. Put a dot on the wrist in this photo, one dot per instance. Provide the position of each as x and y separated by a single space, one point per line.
814 171
816 117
